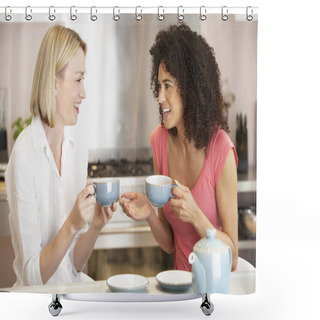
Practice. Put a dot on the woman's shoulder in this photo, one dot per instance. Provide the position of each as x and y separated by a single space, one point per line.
23 141
159 133
17 161
220 140
30 139
218 150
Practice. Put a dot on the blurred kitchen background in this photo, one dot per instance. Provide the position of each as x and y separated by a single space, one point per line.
118 115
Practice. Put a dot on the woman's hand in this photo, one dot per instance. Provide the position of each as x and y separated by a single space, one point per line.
83 208
138 206
102 215
184 204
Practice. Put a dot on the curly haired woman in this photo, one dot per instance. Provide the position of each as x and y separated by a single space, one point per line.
191 146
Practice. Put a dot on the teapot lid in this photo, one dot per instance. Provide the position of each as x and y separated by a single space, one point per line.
210 243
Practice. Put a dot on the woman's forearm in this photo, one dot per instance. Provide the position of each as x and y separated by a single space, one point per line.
233 246
52 255
201 223
83 248
161 232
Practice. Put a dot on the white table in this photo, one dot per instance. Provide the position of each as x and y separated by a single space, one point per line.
242 282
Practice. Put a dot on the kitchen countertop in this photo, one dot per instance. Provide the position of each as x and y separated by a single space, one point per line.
246 183
113 238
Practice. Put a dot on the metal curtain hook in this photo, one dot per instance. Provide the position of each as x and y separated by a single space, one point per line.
138 16
116 17
203 15
27 13
249 17
7 16
160 16
73 12
93 17
224 13
180 15
51 15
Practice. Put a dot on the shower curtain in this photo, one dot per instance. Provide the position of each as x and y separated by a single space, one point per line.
120 112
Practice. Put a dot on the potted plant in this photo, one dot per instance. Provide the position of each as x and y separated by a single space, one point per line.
19 125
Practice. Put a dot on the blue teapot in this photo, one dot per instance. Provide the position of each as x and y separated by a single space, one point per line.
211 261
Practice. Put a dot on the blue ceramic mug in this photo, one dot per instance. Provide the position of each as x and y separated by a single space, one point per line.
158 190
106 190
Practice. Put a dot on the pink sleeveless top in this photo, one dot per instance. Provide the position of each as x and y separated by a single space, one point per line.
203 192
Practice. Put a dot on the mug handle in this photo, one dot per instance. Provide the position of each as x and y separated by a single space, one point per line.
230 257
173 185
94 187
124 198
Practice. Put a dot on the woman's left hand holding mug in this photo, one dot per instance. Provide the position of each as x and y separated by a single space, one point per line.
183 204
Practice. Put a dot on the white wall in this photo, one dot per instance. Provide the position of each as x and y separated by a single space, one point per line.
235 44
19 45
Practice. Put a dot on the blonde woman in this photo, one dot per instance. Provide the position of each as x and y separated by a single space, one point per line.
50 202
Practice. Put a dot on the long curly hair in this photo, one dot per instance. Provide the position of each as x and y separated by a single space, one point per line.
191 61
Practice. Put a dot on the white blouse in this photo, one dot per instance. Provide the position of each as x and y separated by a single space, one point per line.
40 200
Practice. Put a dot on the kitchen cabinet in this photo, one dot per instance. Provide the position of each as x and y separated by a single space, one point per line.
247 181
4 212
7 275
247 198
3 194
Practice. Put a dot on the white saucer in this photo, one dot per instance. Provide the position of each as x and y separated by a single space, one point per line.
127 283
175 280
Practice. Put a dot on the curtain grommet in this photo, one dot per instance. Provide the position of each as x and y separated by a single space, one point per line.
73 11
93 17
28 12
160 16
249 17
115 17
203 13
180 14
224 13
7 15
138 16
52 10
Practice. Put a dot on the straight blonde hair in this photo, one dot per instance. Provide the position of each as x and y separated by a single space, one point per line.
58 46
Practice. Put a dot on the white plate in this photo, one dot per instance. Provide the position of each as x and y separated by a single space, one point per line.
127 283
175 280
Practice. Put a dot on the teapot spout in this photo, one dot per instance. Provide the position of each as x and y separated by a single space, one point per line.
198 274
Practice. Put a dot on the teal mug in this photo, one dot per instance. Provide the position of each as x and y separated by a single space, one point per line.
158 190
106 190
